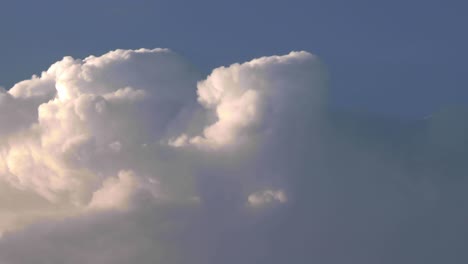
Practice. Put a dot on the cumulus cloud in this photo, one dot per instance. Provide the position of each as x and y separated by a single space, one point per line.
134 157
266 197
88 120
115 192
248 97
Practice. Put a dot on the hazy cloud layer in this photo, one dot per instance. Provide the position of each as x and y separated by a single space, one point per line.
134 157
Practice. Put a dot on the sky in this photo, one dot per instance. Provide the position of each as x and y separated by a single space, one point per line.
233 132
403 58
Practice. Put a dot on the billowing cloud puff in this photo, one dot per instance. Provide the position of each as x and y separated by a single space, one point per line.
115 192
89 122
250 98
265 197
72 130
134 157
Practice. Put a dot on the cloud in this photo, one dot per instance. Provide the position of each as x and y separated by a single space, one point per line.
265 197
88 120
249 99
134 157
115 192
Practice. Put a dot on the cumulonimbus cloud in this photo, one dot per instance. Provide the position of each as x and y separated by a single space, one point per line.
135 157
89 133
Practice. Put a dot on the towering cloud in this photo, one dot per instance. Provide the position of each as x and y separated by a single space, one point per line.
87 131
254 98
133 157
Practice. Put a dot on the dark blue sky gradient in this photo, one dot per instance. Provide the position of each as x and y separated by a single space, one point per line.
400 57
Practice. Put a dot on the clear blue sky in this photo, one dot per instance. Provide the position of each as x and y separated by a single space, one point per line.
400 57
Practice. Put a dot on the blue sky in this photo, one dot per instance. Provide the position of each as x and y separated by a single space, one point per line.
404 58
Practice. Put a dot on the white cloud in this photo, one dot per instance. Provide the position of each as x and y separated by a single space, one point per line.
83 121
86 121
131 157
262 198
115 192
250 99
